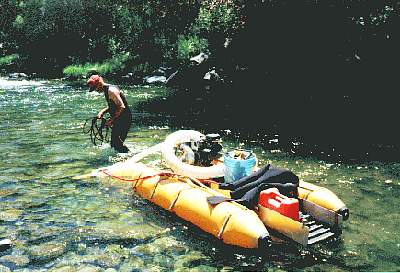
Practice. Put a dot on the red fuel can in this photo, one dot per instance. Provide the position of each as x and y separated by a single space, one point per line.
274 200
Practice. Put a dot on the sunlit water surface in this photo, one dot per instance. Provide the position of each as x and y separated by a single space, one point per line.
57 223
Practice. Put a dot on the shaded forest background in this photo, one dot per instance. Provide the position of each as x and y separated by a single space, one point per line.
320 72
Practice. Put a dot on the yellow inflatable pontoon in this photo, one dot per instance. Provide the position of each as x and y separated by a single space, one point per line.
179 191
187 198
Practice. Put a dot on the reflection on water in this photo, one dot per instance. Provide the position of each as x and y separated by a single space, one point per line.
60 224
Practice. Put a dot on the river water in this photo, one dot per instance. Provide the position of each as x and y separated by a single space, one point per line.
57 223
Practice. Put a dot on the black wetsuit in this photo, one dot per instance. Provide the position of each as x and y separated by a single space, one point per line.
121 125
247 189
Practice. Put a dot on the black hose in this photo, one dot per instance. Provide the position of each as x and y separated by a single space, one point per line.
96 130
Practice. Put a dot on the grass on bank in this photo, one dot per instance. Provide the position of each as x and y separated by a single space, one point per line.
7 61
110 66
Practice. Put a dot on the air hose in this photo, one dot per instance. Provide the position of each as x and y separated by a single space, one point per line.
98 125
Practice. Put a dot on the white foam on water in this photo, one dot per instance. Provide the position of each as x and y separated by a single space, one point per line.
8 84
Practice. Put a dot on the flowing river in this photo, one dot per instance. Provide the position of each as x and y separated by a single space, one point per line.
57 223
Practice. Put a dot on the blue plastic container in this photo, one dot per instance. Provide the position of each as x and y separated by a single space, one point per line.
234 169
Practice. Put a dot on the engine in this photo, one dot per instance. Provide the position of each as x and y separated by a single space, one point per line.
201 152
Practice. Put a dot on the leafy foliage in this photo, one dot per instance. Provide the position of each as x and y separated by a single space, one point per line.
51 35
221 16
7 60
188 46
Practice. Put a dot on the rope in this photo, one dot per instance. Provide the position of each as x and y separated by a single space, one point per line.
96 131
136 179
169 174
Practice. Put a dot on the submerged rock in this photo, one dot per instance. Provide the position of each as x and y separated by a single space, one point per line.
133 264
117 250
153 268
81 248
89 268
117 232
107 261
203 268
15 260
97 256
227 268
69 259
165 245
46 251
187 262
7 192
64 268
10 215
146 249
3 229
4 268
39 234
164 261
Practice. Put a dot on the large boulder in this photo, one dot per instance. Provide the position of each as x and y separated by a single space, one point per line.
192 76
199 59
212 75
158 76
155 80
18 76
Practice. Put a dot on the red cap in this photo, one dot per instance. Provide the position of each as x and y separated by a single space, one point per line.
93 81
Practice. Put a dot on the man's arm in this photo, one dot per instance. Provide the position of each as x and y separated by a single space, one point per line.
102 112
114 94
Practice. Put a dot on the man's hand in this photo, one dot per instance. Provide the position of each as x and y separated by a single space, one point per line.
109 122
102 112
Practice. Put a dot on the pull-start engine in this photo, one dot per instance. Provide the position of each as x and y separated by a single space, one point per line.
202 151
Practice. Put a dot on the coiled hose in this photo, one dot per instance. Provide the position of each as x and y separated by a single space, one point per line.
96 130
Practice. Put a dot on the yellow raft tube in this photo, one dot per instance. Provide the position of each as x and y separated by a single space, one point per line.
231 222
320 203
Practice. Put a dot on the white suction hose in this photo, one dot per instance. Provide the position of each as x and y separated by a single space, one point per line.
137 157
168 152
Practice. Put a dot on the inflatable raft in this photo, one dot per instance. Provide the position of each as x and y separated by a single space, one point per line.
179 190
187 198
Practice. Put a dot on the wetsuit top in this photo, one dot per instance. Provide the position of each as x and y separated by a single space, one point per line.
112 108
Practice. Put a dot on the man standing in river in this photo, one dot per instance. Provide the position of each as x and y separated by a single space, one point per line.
118 108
